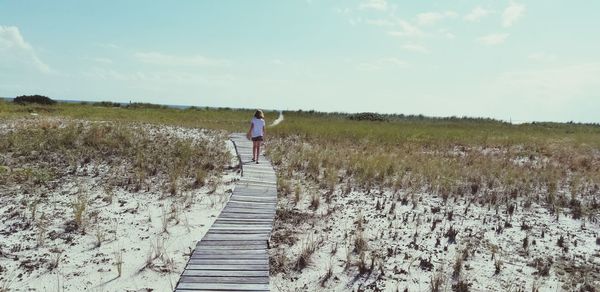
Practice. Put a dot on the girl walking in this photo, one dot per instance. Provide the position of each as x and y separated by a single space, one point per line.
257 133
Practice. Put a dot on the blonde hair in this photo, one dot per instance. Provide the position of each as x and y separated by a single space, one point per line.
259 114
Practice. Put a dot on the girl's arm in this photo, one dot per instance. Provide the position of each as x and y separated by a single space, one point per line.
264 131
249 134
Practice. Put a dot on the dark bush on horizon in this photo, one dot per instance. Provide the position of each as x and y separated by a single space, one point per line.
39 99
107 104
367 117
144 105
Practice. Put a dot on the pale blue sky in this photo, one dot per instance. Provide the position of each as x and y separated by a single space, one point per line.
519 60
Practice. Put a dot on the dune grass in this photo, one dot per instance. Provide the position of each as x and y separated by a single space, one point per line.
556 162
226 119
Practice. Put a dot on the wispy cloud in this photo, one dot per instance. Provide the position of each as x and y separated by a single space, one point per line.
143 78
380 64
102 60
174 60
431 18
380 5
446 33
380 22
493 39
417 48
14 49
406 29
108 45
276 62
512 14
542 57
540 85
477 14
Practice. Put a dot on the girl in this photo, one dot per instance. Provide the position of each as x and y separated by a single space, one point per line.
257 133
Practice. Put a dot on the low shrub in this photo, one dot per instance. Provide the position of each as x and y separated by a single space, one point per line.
39 99
107 104
367 117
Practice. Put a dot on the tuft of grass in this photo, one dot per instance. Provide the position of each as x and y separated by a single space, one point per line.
542 266
118 262
100 237
200 179
308 248
278 263
297 194
42 226
360 243
79 207
457 267
55 259
437 282
327 275
451 235
164 220
461 286
315 200
498 266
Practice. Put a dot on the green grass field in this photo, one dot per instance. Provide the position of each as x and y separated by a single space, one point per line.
552 162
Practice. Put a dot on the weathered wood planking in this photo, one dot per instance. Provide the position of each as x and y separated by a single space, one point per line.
232 255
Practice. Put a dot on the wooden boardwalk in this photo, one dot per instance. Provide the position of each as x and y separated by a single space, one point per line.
232 255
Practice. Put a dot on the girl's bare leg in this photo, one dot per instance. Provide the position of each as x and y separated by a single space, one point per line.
254 151
257 150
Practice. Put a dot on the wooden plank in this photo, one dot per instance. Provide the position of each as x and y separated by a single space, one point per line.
232 252
234 247
272 194
222 286
267 198
258 193
259 211
255 192
240 227
205 290
251 205
232 242
241 204
239 231
240 187
266 211
228 256
245 216
250 222
225 273
229 267
236 226
266 170
245 181
234 262
258 200
235 237
263 176
231 280
253 215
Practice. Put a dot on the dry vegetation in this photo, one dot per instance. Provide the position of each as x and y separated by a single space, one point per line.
67 185
380 203
433 194
35 154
